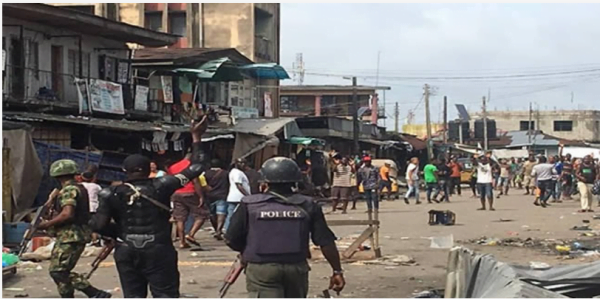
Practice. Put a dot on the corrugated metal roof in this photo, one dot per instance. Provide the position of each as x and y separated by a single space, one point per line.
185 56
266 126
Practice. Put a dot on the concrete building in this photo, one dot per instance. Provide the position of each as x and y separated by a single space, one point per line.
250 28
583 125
331 100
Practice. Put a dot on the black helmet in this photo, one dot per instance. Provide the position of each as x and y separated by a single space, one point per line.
280 170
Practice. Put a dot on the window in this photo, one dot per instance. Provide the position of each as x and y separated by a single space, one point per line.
289 104
154 21
523 125
73 58
563 126
177 24
33 58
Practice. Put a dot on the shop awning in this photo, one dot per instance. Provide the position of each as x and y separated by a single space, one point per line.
266 71
219 70
306 141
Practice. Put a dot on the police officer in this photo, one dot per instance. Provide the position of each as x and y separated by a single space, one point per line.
272 231
140 210
70 227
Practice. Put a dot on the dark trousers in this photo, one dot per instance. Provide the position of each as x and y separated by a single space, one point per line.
430 188
372 199
546 189
155 267
273 280
455 184
445 187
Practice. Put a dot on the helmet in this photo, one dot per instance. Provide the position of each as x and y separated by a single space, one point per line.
63 167
280 170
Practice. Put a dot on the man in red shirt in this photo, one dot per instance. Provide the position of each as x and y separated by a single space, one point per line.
455 169
187 201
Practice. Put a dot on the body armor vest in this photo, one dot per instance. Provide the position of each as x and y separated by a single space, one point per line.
82 207
278 231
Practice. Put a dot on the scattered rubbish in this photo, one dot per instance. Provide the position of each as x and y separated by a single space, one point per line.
504 220
395 260
561 217
191 281
429 294
39 267
585 221
27 265
577 245
445 242
40 254
117 289
91 251
596 217
194 254
539 266
512 233
24 295
590 234
387 237
405 238
441 217
583 227
183 295
14 289
390 268
563 249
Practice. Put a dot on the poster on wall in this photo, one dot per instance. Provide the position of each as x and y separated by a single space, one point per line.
83 95
167 87
268 105
122 72
141 98
106 97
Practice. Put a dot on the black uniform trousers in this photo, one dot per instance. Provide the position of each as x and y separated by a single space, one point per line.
155 267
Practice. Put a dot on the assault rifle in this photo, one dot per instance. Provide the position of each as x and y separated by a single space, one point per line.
234 272
109 245
41 212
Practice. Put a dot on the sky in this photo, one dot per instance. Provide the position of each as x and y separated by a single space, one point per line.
547 54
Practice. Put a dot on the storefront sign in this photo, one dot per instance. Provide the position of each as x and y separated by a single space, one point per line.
167 87
83 95
244 112
141 98
106 96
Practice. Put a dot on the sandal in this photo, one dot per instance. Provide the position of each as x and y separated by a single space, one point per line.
192 240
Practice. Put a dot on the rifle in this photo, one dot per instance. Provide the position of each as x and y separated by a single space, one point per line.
41 212
108 247
234 272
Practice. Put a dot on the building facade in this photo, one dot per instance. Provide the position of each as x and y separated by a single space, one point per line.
582 125
331 100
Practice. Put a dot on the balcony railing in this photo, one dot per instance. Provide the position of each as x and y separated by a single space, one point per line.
26 84
263 48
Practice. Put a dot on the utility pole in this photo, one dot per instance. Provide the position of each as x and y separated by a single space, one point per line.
529 124
355 126
445 120
485 132
428 121
396 117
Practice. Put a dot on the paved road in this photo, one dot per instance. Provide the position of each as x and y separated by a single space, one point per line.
404 231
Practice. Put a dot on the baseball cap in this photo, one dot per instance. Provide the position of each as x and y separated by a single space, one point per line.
367 158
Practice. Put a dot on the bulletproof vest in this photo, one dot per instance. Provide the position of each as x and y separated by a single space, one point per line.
278 231
82 207
141 223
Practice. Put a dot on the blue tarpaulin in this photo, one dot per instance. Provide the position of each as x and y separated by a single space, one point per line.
266 71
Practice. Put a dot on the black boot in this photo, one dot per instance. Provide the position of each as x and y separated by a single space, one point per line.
93 292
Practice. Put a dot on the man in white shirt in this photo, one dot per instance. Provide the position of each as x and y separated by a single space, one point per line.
88 181
484 181
239 186
412 180
543 172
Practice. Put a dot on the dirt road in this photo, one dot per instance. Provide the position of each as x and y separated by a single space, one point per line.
404 231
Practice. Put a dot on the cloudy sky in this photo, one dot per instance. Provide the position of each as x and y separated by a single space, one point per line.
545 54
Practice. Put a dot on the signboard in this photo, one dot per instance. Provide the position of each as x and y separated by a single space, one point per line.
106 97
268 105
167 88
83 95
3 60
141 98
244 112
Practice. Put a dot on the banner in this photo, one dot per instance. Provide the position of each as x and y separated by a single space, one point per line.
122 72
244 112
141 98
167 87
268 105
106 96
83 95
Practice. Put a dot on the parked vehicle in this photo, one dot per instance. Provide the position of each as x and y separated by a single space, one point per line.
393 177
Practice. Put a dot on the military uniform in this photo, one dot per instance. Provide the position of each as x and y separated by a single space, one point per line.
71 236
146 258
273 236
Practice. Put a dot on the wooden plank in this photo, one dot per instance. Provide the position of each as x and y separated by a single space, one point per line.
363 237
352 222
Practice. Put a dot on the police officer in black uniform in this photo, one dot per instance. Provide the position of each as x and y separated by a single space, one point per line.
140 210
272 231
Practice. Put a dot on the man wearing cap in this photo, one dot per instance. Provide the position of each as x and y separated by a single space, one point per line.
70 227
140 209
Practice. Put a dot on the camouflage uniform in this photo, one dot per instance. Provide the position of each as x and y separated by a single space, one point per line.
70 243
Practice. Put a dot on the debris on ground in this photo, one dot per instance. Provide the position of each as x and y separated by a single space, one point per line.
429 294
445 242
91 251
394 260
539 266
22 295
40 254
565 248
192 281
14 289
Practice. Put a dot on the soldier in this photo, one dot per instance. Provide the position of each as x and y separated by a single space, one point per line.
140 210
70 227
272 230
